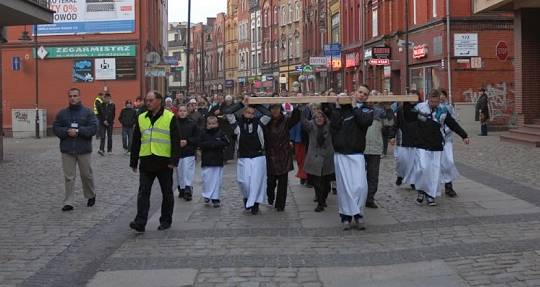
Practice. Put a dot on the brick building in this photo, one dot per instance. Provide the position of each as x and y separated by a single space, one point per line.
471 47
231 47
215 54
315 36
87 55
290 22
270 43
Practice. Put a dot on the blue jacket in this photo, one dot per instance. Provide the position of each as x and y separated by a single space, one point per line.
84 120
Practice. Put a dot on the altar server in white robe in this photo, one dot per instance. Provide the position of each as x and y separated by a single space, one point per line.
212 143
449 171
348 125
251 167
432 117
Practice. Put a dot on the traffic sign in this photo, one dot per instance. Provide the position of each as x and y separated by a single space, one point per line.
502 51
332 49
16 63
379 62
307 69
42 52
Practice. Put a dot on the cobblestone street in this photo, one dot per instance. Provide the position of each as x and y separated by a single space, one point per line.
488 236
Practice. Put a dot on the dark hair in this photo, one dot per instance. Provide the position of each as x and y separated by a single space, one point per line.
414 92
128 102
74 90
434 93
107 94
444 92
214 118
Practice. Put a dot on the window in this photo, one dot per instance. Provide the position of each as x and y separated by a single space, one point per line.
414 12
434 8
375 23
275 19
283 16
291 14
335 28
298 47
298 11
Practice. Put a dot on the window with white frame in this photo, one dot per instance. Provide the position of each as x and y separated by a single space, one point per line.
375 22
298 48
414 12
434 8
291 14
283 19
298 11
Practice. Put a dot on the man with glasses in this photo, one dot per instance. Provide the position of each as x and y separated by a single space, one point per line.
75 126
156 145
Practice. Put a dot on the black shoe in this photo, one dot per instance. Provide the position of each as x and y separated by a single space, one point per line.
255 209
136 227
319 208
188 196
245 202
399 181
101 153
280 209
413 187
325 205
449 190
91 202
67 208
371 204
270 201
181 192
164 226
431 201
334 190
302 181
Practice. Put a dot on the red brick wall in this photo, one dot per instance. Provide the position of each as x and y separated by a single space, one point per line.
528 65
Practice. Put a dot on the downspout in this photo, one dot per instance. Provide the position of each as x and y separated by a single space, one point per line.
449 64
407 79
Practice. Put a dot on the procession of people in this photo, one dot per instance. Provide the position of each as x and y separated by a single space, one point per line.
337 143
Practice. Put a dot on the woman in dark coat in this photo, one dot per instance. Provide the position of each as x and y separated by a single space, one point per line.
482 112
319 163
279 157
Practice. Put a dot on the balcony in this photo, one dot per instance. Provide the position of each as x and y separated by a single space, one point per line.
23 12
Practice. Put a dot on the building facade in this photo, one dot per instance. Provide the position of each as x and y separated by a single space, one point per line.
231 48
176 48
290 35
86 55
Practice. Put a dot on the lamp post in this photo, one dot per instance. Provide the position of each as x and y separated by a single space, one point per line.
37 79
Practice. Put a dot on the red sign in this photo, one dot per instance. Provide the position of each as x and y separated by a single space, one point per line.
381 52
379 62
502 51
420 51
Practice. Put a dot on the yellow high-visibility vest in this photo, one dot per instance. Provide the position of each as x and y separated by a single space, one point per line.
156 139
98 99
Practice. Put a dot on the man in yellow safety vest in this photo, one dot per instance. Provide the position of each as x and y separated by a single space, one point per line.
156 144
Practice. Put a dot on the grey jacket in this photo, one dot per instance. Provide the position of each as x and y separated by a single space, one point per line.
75 117
319 159
374 138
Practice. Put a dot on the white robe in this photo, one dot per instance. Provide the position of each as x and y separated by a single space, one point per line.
351 183
185 171
405 158
251 177
449 171
212 178
428 171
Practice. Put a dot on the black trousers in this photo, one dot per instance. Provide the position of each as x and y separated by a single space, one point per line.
281 182
385 135
146 179
321 184
372 168
105 130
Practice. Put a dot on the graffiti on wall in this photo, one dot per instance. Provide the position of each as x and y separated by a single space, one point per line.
501 103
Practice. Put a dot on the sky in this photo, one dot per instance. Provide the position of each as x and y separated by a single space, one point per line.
200 10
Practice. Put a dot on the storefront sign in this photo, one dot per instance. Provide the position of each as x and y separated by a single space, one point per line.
381 52
368 53
334 63
476 62
466 45
352 60
170 60
229 83
105 68
379 62
83 71
420 51
156 72
90 51
317 61
307 69
332 49
90 17
126 68
502 51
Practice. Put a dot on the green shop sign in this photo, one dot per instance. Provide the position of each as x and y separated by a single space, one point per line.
89 51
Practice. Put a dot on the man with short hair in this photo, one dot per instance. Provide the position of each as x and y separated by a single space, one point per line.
482 112
75 126
107 113
156 145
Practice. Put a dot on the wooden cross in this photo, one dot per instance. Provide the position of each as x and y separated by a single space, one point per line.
329 99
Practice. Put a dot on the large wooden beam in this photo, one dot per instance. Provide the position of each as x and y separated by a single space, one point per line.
324 99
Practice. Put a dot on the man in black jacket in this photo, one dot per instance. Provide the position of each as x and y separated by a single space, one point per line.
349 124
431 118
156 145
482 112
106 120
127 118
75 126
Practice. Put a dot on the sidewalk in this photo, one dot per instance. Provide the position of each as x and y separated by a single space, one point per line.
489 235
